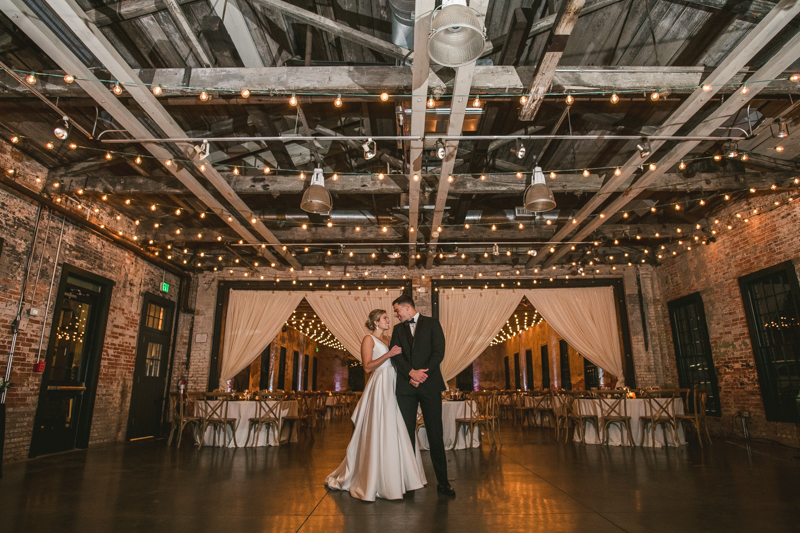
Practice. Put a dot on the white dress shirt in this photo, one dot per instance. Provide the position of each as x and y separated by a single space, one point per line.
414 325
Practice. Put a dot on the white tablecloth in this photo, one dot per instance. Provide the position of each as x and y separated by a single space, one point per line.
637 407
450 411
242 411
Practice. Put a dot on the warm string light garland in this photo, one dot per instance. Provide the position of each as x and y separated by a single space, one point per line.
314 328
509 331
205 94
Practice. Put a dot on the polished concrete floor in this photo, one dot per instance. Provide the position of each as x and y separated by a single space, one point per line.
531 484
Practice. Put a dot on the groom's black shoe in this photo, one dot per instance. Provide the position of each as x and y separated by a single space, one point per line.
447 490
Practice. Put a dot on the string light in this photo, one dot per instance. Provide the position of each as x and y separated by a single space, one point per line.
682 165
552 175
108 156
523 99
266 170
293 100
50 146
706 88
744 89
431 103
477 101
117 89
31 79
69 78
586 173
384 97
14 139
654 96
204 96
157 90
614 98
569 99
338 101
245 93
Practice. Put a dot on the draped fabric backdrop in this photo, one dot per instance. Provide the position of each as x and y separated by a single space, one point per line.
345 312
587 319
254 319
470 320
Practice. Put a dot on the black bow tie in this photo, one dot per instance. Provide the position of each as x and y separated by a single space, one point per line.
410 322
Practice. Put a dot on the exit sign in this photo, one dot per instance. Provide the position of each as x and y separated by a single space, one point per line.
164 286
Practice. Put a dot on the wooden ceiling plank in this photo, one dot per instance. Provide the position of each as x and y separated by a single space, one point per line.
235 24
188 34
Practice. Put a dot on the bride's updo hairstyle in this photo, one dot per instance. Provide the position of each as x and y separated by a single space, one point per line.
373 317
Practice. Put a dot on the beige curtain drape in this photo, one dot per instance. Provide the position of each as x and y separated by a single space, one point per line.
345 312
470 320
254 318
587 319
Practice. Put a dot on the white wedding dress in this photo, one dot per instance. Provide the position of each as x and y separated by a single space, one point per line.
380 461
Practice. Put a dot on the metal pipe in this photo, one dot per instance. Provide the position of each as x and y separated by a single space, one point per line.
287 138
41 258
18 318
390 244
50 292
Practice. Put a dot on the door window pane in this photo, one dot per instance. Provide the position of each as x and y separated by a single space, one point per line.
153 361
693 349
155 317
70 340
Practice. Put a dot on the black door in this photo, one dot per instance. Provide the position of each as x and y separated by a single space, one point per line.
150 370
295 369
591 377
517 372
545 368
314 377
508 372
72 362
772 306
566 376
266 359
693 349
529 369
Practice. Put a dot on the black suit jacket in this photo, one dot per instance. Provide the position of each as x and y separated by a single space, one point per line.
424 350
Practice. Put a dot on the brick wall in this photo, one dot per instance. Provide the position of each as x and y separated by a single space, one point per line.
132 275
713 271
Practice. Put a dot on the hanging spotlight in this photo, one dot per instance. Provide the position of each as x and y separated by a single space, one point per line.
204 150
457 36
538 197
731 149
61 129
644 148
520 149
440 150
783 129
317 199
370 149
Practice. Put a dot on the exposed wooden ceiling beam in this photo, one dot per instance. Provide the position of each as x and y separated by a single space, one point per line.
342 31
749 46
40 34
235 24
565 21
186 31
75 19
780 61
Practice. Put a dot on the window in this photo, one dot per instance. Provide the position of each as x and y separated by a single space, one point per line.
772 306
591 377
155 317
566 378
693 349
465 379
508 373
296 369
282 368
545 367
153 360
266 361
529 369
517 372
305 372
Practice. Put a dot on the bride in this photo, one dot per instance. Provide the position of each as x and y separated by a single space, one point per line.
380 460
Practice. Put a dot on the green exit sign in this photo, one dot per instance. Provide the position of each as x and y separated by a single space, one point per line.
164 286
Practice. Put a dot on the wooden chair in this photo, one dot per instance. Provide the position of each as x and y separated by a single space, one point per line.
614 410
320 408
660 412
543 407
182 416
522 410
481 410
339 406
577 418
303 420
505 404
268 415
694 412
215 415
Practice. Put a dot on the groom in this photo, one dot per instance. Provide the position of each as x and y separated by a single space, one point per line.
419 380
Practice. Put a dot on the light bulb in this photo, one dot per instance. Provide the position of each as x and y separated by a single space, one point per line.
31 78
168 162
794 78
293 100
586 173
69 78
682 165
655 95
617 171
338 101
431 103
570 100
523 99
335 177
245 93
381 176
477 101
235 171
108 155
157 90
73 146
384 97
117 89
652 167
779 148
14 139
483 177
744 89
552 175
266 170
745 157
614 98
204 96
706 88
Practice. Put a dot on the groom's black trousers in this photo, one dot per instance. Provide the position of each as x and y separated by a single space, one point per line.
432 414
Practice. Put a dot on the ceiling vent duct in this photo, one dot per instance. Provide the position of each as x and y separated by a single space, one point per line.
403 23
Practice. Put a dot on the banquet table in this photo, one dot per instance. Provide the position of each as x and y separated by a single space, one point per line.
637 407
242 411
450 411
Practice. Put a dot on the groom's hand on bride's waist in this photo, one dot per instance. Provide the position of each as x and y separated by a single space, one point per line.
419 375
